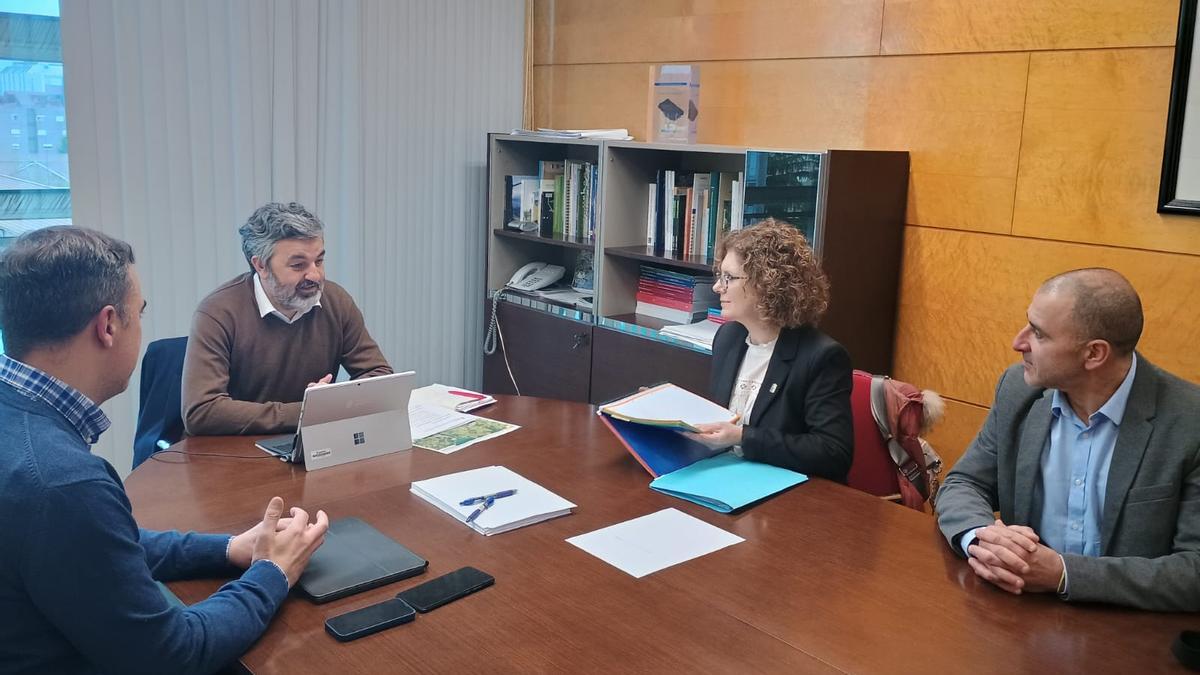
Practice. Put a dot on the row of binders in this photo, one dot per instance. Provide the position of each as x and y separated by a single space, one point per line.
671 295
687 212
558 203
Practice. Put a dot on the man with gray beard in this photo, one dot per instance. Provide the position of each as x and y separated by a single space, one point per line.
259 340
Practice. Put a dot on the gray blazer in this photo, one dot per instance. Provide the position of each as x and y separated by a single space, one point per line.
1150 528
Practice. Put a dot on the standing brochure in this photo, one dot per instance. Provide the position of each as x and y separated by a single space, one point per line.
527 503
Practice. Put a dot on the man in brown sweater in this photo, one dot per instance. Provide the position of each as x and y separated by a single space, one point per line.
259 340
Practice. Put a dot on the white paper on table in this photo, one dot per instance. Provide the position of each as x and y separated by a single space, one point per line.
427 420
654 542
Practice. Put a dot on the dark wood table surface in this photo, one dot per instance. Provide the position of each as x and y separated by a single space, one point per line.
829 579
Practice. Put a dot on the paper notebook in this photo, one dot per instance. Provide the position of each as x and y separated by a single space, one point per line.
531 504
667 406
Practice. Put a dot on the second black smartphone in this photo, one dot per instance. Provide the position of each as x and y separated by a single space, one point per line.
368 620
446 588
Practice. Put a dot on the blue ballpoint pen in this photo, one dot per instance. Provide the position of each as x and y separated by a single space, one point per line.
479 500
487 504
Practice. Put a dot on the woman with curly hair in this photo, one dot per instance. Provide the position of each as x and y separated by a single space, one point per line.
788 382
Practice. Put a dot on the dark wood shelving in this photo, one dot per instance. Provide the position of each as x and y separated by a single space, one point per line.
646 254
526 236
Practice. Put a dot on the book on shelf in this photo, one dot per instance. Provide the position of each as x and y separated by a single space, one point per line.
560 206
666 313
687 212
736 200
559 203
520 211
671 295
549 203
651 212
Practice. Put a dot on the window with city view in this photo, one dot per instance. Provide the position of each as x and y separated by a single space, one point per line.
35 186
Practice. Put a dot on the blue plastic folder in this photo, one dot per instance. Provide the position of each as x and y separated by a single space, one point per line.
689 470
658 449
726 482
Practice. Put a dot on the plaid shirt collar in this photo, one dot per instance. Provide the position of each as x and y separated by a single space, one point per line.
87 417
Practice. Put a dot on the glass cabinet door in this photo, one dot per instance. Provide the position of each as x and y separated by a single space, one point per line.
784 186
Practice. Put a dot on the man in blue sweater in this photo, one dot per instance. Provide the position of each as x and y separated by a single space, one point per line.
77 591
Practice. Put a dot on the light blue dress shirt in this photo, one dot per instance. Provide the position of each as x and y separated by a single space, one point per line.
1074 466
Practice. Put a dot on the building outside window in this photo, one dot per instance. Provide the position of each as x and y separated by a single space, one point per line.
35 185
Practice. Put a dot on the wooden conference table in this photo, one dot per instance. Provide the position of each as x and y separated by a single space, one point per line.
829 579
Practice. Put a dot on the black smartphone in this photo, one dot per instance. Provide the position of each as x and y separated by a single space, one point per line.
368 620
446 588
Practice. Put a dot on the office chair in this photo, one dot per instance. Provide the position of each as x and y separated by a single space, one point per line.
891 460
159 417
873 470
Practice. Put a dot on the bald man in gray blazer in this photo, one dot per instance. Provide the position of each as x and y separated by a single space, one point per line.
1090 453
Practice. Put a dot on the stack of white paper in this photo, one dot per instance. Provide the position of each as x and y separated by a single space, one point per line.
531 504
702 333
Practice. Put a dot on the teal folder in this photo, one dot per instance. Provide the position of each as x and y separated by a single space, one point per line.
726 482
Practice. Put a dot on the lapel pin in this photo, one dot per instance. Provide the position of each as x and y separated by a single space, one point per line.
774 387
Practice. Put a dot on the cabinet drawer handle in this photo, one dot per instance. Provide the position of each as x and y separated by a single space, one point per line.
580 340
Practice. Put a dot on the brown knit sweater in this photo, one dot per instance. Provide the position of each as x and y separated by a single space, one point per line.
246 374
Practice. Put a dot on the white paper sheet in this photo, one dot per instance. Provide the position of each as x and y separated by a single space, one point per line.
427 420
654 542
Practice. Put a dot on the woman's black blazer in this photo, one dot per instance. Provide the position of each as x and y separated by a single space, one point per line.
801 419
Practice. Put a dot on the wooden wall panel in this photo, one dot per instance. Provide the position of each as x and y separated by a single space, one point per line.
959 116
939 26
1092 151
963 298
804 104
623 31
590 97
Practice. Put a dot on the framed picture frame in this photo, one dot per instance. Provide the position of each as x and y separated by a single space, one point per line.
1179 187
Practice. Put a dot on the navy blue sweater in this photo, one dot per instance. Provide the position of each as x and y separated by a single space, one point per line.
77 591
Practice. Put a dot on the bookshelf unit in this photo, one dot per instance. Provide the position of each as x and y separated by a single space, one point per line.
849 203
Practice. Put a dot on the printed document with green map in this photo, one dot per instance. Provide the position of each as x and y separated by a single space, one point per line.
446 431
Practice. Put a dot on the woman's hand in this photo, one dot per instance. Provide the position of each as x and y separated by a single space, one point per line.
717 435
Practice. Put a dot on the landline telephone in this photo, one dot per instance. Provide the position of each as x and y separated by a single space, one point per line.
535 275
531 277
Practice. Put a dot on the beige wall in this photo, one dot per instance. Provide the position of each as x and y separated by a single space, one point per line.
1035 126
